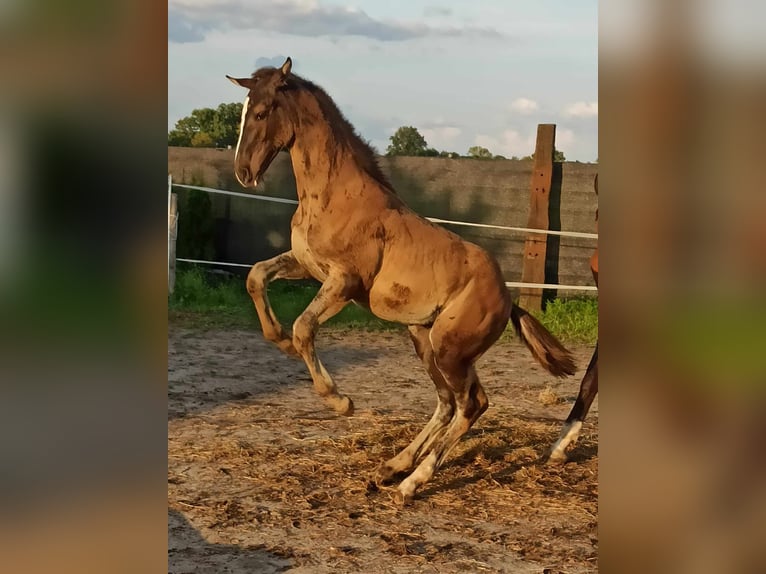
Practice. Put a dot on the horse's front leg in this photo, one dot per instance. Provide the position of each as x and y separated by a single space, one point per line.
571 429
331 298
283 266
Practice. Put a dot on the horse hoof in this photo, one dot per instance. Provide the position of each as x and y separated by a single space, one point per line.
556 458
402 499
384 475
343 406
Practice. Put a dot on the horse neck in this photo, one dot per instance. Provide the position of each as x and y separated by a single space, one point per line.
320 161
316 163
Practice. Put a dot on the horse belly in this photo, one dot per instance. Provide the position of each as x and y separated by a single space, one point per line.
401 303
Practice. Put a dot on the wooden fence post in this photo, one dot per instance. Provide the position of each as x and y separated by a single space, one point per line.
534 248
172 236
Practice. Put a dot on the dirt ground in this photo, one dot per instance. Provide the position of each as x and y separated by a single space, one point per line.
263 477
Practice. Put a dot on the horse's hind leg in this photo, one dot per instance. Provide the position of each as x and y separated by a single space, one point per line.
445 409
331 298
283 266
470 404
461 333
571 429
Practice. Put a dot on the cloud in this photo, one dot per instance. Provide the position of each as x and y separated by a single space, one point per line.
565 140
437 11
581 110
524 106
441 137
509 143
512 143
190 20
181 30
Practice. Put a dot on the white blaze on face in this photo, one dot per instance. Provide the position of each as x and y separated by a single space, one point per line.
242 125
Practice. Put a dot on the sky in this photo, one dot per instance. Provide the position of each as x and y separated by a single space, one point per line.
464 73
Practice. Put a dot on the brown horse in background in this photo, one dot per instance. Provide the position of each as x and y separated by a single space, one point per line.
588 387
353 233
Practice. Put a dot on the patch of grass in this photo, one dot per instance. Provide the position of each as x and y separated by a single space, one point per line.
205 299
572 320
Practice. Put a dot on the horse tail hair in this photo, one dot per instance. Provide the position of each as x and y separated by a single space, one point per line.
545 348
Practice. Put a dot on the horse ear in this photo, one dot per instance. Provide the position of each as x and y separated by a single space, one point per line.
286 67
243 82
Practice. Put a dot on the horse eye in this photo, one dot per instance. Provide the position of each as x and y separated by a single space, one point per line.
260 116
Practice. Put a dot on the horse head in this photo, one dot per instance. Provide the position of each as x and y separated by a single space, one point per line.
264 130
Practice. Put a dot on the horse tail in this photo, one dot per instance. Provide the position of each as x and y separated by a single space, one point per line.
548 351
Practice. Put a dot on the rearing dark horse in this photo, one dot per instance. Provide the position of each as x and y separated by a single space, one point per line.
353 233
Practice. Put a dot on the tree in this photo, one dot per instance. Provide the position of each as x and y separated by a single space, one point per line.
479 152
201 139
558 156
208 127
408 141
226 120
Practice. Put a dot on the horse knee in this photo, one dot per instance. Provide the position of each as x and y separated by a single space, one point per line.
255 281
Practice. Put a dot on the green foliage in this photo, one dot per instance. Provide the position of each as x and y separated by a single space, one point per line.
205 300
408 141
195 290
558 156
208 127
573 319
479 152
226 120
202 139
196 225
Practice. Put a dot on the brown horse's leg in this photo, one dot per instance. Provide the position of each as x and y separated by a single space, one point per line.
445 408
471 402
331 298
571 429
283 266
462 332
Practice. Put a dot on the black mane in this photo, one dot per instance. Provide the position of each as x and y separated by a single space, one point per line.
342 130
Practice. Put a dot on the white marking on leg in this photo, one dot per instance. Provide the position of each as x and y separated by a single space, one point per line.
422 474
569 434
420 445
